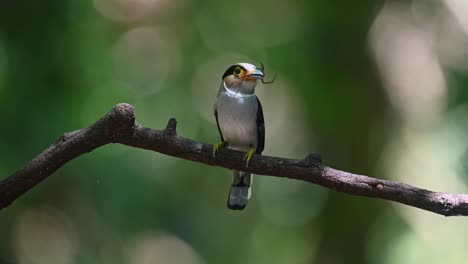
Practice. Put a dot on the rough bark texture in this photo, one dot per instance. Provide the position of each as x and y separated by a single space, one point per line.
119 126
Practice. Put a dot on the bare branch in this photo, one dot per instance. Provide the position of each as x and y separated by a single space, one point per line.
119 126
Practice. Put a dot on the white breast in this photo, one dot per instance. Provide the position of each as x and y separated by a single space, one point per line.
237 118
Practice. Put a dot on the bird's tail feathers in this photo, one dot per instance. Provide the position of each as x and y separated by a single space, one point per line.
240 190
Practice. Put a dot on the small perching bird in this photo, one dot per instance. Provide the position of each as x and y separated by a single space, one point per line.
239 116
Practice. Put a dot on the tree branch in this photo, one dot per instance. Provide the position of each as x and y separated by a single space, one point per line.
119 126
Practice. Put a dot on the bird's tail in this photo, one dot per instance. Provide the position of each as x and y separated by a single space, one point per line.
240 190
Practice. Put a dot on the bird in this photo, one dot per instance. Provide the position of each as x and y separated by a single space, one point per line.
239 116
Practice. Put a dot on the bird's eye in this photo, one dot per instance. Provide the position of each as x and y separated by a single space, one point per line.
237 71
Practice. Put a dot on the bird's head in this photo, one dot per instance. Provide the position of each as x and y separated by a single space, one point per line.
242 77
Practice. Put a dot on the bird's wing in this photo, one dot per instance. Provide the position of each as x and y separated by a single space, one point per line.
217 123
260 129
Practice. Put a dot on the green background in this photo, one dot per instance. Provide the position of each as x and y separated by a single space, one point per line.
376 87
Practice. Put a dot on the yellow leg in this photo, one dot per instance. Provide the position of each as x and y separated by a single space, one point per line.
249 155
217 146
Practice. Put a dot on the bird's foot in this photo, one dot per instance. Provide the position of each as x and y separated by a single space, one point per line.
217 146
249 155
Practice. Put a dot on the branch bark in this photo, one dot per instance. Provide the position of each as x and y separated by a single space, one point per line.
119 126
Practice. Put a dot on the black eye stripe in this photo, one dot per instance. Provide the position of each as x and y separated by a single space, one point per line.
231 69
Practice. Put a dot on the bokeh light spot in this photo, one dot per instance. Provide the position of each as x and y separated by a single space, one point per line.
44 236
145 57
412 75
131 10
164 248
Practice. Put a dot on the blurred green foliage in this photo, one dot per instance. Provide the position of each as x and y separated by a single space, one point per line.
63 64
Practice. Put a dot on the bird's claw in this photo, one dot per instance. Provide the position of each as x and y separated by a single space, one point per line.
217 146
248 156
